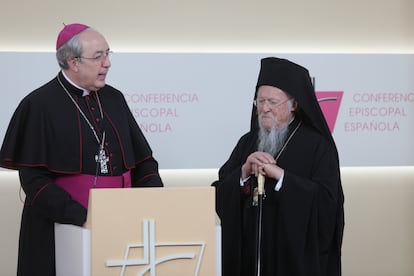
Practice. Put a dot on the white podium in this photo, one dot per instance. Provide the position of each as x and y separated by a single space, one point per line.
143 231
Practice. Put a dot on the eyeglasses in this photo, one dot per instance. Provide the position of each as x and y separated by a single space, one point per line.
272 103
99 57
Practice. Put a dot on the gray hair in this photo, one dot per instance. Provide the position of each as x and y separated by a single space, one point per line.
272 141
71 49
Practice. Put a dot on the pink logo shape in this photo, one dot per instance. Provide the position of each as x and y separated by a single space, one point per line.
330 101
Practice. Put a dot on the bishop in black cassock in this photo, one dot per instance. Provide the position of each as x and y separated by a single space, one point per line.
302 224
49 138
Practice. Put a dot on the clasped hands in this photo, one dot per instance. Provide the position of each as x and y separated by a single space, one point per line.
261 163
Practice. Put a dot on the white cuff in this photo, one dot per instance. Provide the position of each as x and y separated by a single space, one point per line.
242 181
279 183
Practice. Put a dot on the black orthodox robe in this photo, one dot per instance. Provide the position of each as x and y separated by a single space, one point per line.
302 222
48 137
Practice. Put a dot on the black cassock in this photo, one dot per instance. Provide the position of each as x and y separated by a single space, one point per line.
47 137
302 222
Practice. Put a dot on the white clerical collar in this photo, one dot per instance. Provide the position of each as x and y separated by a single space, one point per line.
85 91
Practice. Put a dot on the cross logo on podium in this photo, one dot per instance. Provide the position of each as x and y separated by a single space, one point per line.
149 260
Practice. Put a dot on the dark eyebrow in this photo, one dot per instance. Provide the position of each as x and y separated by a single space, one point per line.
101 52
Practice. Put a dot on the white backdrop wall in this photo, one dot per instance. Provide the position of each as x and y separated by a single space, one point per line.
194 107
140 31
270 26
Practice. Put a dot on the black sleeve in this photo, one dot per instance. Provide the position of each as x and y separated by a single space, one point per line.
146 174
229 199
228 185
48 199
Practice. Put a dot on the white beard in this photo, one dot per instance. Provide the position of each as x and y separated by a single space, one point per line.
271 141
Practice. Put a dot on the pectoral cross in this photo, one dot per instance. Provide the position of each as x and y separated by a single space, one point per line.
102 159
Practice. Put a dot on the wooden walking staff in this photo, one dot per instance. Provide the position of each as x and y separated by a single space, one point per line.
260 197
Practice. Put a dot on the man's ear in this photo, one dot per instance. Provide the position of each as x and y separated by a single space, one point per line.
294 106
73 64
